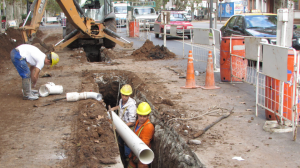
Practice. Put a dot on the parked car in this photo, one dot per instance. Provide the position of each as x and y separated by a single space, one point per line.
188 17
176 18
255 24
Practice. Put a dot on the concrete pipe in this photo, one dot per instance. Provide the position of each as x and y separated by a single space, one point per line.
74 96
137 146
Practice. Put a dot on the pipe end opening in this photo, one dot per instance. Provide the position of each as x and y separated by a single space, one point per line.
146 156
43 91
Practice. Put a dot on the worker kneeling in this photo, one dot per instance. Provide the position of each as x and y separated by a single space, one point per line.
144 129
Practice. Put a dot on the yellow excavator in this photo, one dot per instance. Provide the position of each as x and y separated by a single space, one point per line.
90 24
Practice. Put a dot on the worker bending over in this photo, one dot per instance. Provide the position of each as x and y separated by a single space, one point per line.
127 113
144 129
26 53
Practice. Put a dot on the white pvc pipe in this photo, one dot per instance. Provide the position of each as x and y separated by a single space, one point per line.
50 88
75 96
137 146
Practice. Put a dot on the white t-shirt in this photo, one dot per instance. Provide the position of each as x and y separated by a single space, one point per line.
130 113
33 55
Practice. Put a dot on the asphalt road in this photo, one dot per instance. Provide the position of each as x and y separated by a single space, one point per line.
205 24
174 44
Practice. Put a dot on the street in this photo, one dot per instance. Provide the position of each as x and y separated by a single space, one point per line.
48 133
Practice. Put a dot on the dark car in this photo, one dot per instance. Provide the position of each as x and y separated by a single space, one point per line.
255 24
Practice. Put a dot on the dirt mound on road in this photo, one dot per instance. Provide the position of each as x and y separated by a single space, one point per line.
149 51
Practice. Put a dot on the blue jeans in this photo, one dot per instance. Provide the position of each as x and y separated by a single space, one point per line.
20 64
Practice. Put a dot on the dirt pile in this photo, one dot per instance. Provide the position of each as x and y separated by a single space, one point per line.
149 51
93 143
8 41
107 55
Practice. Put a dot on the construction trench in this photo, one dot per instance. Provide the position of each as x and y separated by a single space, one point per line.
169 148
92 142
48 133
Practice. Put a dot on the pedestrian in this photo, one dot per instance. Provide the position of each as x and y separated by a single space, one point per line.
144 129
127 113
26 53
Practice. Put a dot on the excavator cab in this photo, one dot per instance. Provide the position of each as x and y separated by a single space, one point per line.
94 10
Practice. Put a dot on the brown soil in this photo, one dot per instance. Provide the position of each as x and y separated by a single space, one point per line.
79 54
107 55
8 41
54 38
94 145
149 51
78 134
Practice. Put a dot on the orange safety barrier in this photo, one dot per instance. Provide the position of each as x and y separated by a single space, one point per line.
272 95
134 29
190 76
238 64
210 77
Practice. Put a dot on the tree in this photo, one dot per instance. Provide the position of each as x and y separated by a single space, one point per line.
183 4
53 7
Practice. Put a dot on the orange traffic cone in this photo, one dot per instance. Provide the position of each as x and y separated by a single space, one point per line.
190 76
210 78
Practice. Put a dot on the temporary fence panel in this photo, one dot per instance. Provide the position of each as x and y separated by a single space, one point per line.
144 30
243 53
172 31
233 62
216 43
278 95
276 83
239 59
275 64
156 28
202 43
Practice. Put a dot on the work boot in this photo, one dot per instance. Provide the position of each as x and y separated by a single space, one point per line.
35 92
27 94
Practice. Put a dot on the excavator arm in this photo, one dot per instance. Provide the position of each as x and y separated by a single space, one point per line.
86 27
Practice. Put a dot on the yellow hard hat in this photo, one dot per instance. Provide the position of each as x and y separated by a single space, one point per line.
126 90
143 109
55 58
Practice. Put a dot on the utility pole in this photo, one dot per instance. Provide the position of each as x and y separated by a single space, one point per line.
211 10
27 6
216 13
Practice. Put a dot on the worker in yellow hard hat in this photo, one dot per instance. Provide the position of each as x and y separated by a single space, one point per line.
127 113
26 53
144 129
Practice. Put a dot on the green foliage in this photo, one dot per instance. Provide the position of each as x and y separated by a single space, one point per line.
24 17
53 7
